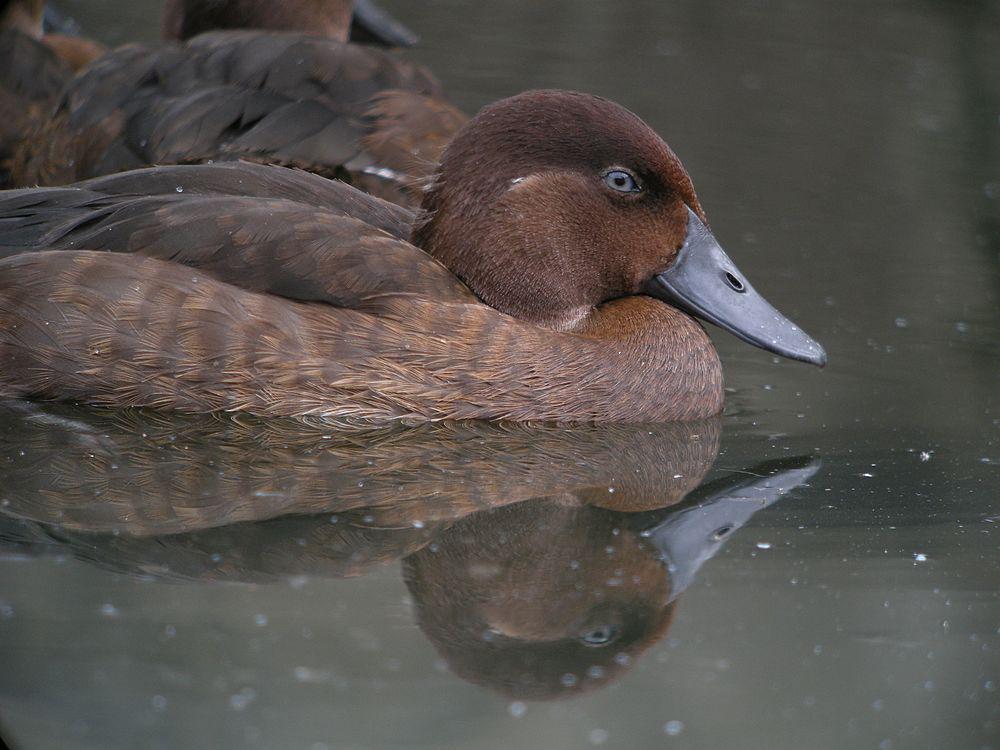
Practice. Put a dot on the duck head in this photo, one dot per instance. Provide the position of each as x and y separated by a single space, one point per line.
550 203
359 20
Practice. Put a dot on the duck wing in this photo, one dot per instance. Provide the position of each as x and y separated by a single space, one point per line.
263 229
279 98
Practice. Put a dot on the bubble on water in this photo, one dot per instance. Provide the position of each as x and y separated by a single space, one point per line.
611 490
260 620
517 709
962 327
595 672
763 545
598 736
242 699
179 189
989 686
6 610
902 322
673 727
885 744
110 610
418 524
925 456
568 679
169 631
929 685
818 649
159 703
878 704
919 557
867 475
622 659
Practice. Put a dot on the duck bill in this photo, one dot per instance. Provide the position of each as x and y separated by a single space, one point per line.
705 282
372 25
689 537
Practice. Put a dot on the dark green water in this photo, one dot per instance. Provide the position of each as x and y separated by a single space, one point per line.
182 585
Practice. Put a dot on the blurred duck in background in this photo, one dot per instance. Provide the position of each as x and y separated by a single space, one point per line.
287 89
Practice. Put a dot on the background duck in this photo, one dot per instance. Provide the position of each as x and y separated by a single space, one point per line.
550 276
28 18
34 68
341 110
358 20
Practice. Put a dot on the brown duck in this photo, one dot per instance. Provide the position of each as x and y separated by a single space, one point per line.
552 274
342 110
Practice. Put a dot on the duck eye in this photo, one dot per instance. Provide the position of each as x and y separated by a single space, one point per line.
621 181
600 636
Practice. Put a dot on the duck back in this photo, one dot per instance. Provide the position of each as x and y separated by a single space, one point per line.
339 110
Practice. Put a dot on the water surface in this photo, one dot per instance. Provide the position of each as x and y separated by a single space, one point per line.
208 583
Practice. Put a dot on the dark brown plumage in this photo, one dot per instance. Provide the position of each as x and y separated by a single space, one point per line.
183 19
247 288
341 110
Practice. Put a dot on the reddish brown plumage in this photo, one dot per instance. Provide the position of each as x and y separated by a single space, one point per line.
341 110
382 332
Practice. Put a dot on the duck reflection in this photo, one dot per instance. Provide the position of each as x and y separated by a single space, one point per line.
541 560
545 599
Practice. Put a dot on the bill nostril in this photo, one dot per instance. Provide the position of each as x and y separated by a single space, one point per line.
735 282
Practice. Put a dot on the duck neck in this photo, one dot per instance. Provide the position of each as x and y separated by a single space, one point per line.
660 359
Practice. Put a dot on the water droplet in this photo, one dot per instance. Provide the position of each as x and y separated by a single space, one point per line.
673 727
239 701
598 736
